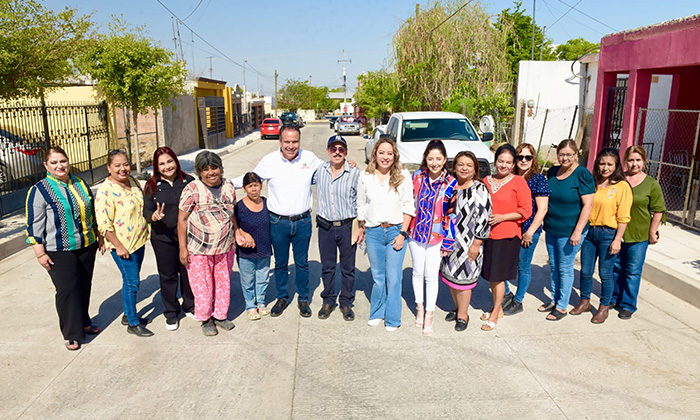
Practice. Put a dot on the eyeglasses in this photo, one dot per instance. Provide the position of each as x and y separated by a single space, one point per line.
565 155
336 149
525 157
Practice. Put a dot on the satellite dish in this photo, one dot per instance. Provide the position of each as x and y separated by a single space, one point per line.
486 124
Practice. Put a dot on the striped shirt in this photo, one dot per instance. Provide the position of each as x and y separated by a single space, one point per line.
60 215
337 197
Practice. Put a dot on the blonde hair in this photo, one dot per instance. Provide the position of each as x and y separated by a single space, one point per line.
535 168
636 149
395 176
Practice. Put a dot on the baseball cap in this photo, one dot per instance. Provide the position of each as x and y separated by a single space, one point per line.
337 139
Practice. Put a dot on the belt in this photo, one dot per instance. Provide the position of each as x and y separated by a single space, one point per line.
337 223
388 225
293 218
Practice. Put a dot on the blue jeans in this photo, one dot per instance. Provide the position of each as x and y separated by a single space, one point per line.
524 271
561 264
386 264
130 268
298 233
254 280
627 274
597 246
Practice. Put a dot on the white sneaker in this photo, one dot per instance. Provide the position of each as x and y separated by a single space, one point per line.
189 315
391 329
374 322
172 324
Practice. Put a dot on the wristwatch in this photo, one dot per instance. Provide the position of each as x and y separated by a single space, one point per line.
404 234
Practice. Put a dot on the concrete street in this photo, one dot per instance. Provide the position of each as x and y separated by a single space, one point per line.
291 367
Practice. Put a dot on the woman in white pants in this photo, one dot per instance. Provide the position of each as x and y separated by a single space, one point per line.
429 233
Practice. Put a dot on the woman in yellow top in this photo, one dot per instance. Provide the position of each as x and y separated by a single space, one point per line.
609 217
119 213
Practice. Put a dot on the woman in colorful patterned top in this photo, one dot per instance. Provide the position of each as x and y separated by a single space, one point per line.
429 238
62 231
161 198
119 211
469 213
206 232
609 217
512 205
647 213
528 167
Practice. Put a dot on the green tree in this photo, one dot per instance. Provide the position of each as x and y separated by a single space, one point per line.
517 26
378 92
296 94
574 48
37 46
130 70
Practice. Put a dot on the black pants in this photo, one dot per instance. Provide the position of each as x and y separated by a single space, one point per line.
71 274
330 241
169 267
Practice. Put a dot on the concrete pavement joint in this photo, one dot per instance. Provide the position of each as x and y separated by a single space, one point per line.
296 363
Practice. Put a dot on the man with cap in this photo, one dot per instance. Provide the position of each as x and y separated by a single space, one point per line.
336 189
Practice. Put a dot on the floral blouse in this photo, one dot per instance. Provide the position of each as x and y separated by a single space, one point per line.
120 211
539 187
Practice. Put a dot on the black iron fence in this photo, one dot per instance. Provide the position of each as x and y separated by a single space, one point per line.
28 128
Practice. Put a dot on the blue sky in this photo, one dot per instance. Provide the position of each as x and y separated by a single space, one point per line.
306 37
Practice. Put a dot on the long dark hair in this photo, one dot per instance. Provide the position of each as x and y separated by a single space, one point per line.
617 174
434 144
151 183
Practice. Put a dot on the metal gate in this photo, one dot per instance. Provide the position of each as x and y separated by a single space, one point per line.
27 129
670 138
614 114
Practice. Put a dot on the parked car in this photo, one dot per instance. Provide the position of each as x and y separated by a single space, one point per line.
270 127
348 124
289 118
378 131
332 121
300 122
413 130
18 158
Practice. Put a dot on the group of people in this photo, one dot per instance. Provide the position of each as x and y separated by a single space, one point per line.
456 226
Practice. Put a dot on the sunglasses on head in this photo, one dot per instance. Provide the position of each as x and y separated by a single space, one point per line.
525 157
116 152
336 149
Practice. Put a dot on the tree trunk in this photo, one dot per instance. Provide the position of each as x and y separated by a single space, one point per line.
138 147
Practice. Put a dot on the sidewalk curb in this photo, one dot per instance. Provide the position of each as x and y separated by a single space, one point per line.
671 281
13 246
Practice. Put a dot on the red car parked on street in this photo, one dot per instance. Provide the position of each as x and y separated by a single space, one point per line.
270 127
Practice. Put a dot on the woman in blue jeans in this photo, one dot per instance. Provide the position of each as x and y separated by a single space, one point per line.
566 223
648 212
384 210
608 219
528 167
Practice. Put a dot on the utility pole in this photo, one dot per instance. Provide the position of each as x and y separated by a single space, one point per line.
244 63
544 29
172 21
309 92
275 92
345 79
532 55
211 68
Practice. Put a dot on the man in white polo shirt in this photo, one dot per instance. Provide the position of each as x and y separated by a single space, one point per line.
289 172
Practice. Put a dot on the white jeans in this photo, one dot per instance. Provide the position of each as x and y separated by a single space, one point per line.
426 265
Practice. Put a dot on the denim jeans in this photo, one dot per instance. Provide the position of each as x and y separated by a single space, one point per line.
254 280
386 264
561 264
627 274
130 268
524 271
597 246
298 233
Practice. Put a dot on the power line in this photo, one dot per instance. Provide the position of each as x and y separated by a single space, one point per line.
552 13
195 9
589 16
577 21
565 13
450 16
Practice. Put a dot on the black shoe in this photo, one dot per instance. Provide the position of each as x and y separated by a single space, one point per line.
142 321
624 314
451 316
279 307
347 312
507 299
139 331
461 324
224 323
304 309
325 311
513 308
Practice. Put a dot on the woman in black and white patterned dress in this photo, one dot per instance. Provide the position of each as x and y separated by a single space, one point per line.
469 219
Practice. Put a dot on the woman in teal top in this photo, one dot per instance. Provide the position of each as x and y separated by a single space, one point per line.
648 212
566 223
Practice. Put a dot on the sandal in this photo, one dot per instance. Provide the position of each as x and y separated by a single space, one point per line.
253 314
420 317
546 307
485 316
428 329
72 345
263 310
92 329
488 326
555 315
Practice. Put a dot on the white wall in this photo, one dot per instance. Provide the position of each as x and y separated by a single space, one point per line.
657 117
